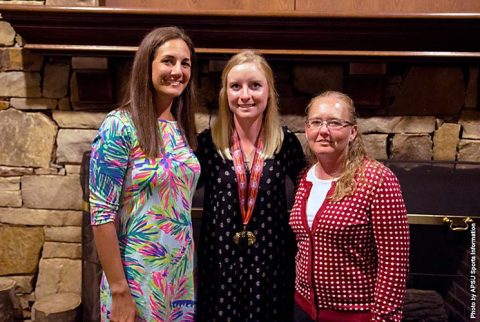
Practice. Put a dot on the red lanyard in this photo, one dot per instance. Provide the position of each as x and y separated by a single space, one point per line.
240 171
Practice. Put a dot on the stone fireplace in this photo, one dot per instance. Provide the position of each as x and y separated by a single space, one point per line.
414 80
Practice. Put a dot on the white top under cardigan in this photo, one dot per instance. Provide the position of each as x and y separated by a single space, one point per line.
317 196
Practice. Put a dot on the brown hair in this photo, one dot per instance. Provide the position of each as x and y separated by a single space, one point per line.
222 129
356 153
139 97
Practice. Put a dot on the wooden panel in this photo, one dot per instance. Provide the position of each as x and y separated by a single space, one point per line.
387 6
120 30
253 5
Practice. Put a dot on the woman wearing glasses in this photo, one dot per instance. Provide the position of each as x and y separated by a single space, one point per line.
350 223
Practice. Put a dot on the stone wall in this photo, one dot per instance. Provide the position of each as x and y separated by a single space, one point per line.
41 143
407 112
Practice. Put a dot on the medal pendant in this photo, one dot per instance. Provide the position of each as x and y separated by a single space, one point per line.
244 238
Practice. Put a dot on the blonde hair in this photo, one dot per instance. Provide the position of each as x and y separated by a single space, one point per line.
356 154
222 129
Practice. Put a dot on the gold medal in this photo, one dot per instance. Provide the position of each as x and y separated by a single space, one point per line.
244 238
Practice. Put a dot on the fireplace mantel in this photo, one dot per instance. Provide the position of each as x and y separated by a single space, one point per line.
96 31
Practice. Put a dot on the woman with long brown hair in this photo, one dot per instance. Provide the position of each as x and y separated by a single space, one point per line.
143 175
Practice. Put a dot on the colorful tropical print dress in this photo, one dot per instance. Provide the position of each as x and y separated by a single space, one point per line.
149 200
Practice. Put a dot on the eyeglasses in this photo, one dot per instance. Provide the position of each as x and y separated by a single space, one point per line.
335 124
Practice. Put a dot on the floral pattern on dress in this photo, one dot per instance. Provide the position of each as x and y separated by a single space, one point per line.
149 200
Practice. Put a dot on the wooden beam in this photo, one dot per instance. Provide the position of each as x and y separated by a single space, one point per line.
96 29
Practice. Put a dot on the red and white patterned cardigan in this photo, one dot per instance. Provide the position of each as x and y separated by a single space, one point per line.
355 257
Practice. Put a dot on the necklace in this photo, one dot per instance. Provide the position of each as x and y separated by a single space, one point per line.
248 159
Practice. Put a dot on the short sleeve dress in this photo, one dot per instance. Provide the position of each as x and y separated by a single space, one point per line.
149 200
256 284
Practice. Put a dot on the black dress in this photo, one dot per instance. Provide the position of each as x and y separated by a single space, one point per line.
255 284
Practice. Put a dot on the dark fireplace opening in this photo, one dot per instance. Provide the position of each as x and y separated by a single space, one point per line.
443 207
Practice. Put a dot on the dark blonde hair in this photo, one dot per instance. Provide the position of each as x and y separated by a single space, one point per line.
139 97
222 129
356 154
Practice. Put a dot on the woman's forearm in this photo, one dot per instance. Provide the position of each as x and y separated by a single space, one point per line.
106 241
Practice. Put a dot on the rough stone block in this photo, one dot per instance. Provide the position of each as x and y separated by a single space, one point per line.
406 124
469 150
61 307
377 124
64 104
10 199
62 250
296 123
52 192
376 145
72 144
26 301
314 79
9 303
19 40
7 34
4 105
26 139
70 234
55 84
40 217
14 171
15 58
445 141
9 184
430 91
411 147
58 275
202 121
78 120
24 283
20 249
470 121
424 305
20 84
415 124
72 169
46 171
33 103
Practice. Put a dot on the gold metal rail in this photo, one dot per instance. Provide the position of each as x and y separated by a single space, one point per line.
454 222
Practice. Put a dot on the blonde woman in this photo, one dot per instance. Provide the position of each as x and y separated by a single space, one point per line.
246 250
350 223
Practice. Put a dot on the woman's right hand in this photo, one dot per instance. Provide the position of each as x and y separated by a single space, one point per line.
123 306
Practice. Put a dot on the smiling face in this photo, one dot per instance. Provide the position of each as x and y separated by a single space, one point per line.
247 91
171 69
329 142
